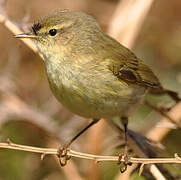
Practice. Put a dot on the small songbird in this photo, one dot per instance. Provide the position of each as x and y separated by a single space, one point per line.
89 72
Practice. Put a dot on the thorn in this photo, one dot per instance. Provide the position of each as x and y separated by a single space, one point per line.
177 156
9 141
42 156
141 169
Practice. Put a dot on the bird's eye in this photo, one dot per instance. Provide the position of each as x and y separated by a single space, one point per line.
53 32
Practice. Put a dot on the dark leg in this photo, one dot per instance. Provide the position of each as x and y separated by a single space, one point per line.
124 121
139 141
94 121
124 155
62 152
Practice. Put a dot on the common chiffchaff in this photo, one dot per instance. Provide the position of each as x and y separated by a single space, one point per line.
89 72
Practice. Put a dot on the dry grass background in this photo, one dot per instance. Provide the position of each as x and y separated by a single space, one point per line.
29 114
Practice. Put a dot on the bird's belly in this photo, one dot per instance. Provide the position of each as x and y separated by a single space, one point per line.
95 101
93 95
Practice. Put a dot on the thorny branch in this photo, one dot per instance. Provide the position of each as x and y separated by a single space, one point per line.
97 158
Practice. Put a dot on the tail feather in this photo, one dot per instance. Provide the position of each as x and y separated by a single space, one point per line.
173 95
161 91
145 144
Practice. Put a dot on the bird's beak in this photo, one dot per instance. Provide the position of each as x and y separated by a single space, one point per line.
27 35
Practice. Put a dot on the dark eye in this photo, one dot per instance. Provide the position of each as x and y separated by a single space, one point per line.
53 32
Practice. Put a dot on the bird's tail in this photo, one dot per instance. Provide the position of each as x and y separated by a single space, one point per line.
174 95
161 91
148 147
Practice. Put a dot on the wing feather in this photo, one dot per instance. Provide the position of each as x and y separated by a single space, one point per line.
135 71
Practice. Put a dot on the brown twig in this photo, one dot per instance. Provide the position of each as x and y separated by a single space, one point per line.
157 174
128 19
16 30
158 133
163 113
97 158
13 105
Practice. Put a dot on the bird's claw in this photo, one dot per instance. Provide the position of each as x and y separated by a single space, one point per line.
63 156
124 164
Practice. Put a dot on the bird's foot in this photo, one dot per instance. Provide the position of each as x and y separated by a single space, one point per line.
124 161
63 155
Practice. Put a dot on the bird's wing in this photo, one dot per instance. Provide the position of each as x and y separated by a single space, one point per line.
135 71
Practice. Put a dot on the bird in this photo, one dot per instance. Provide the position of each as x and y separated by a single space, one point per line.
89 72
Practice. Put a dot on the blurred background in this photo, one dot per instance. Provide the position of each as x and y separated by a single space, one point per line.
30 115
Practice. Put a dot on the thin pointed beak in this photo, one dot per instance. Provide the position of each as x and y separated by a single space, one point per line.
26 35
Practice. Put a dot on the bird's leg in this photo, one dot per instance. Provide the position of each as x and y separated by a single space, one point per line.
124 155
124 121
62 152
